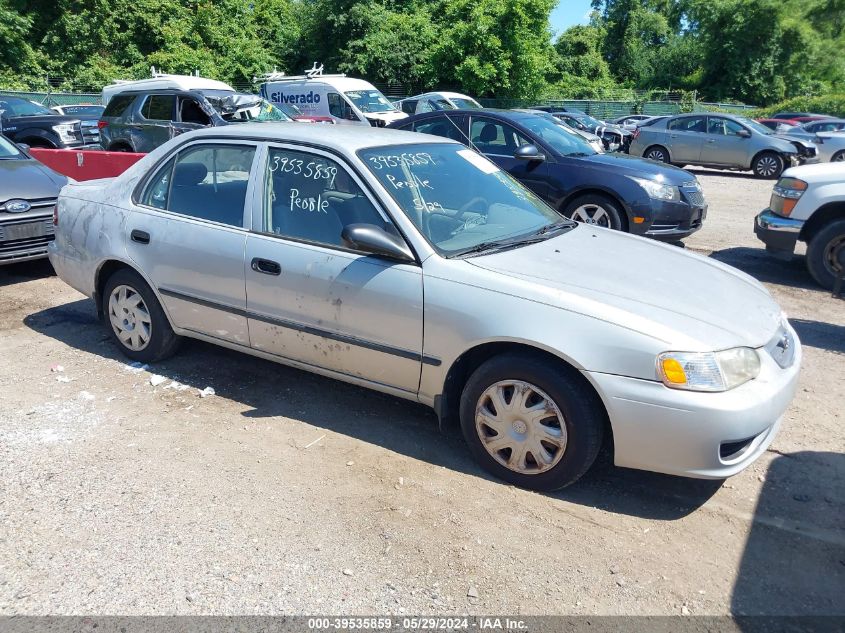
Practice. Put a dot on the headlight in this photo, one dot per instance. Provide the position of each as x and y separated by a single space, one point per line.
708 371
65 132
785 195
659 191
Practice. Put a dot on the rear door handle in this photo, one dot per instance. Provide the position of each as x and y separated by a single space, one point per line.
142 237
266 266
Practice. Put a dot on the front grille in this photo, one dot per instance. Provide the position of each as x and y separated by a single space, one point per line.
26 229
15 249
695 198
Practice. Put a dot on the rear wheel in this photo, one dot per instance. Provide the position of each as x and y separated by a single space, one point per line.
768 165
826 254
658 153
135 318
596 210
530 422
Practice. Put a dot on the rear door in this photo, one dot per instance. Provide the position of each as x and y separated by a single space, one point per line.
686 137
155 126
187 233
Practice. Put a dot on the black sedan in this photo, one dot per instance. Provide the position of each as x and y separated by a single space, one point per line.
28 192
610 190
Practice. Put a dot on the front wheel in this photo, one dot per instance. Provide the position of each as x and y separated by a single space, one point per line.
135 318
826 254
596 210
530 422
838 157
768 165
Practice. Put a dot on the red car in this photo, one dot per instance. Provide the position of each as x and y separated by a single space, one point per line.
773 124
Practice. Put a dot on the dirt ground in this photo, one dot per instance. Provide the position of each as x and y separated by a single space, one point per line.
290 493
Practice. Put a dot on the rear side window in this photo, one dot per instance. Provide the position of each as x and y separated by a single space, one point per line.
688 124
118 104
207 182
159 107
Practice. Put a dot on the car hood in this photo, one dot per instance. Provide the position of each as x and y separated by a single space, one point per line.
640 168
50 120
686 300
28 179
796 140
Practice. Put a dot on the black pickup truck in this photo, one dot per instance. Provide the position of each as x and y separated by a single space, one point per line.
26 122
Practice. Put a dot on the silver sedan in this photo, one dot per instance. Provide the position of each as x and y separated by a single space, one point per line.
412 265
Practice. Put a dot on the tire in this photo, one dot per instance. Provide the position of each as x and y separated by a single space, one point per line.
570 436
658 153
596 210
137 316
820 253
120 147
768 165
838 157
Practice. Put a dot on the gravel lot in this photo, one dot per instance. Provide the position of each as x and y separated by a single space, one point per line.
290 493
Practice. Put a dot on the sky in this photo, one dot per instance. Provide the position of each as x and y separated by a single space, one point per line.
568 13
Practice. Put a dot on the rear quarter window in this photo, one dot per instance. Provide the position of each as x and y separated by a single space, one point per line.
118 104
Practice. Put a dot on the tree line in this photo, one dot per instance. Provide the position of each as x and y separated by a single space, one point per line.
757 51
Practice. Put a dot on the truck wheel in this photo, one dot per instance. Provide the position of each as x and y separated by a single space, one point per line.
823 261
768 165
530 422
596 210
135 318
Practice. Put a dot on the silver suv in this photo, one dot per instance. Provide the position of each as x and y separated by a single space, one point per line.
721 141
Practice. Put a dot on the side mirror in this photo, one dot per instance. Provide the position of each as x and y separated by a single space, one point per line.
528 152
375 240
744 133
349 113
24 148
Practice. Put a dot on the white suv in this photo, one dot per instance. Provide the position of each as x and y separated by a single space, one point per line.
808 204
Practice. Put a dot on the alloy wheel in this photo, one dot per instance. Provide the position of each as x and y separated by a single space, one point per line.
658 155
839 157
521 427
130 318
767 166
591 214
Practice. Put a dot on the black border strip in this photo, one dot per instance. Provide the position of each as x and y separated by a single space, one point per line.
307 329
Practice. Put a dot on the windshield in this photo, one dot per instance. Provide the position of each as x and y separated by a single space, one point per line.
566 143
754 125
370 101
242 108
586 119
459 200
22 107
465 104
8 149
85 110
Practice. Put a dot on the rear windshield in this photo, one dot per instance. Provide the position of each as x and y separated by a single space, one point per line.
118 104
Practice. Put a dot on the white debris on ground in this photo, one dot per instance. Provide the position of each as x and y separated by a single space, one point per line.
156 380
136 367
208 391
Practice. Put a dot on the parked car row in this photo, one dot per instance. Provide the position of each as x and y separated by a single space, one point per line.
411 264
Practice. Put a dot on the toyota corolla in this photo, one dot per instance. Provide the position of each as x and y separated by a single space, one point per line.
412 265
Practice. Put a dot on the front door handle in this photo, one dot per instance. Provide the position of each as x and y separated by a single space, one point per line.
266 266
142 237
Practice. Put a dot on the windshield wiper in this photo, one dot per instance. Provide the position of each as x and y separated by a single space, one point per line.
555 226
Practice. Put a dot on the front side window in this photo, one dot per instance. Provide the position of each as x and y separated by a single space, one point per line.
159 107
190 111
8 149
336 105
494 137
206 182
458 200
312 198
723 127
564 142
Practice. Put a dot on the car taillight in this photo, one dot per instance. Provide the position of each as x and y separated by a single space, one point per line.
101 124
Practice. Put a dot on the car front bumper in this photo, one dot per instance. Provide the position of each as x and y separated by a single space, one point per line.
697 434
675 220
777 232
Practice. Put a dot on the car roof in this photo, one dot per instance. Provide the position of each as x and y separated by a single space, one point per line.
338 82
349 138
511 115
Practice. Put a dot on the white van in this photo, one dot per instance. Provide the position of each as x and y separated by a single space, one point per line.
345 100
430 101
160 80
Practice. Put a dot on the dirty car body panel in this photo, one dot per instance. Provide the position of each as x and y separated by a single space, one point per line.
300 296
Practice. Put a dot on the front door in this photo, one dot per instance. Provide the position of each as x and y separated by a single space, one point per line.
723 145
191 115
188 234
498 141
313 300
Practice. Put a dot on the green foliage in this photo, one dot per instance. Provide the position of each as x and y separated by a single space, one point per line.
833 104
